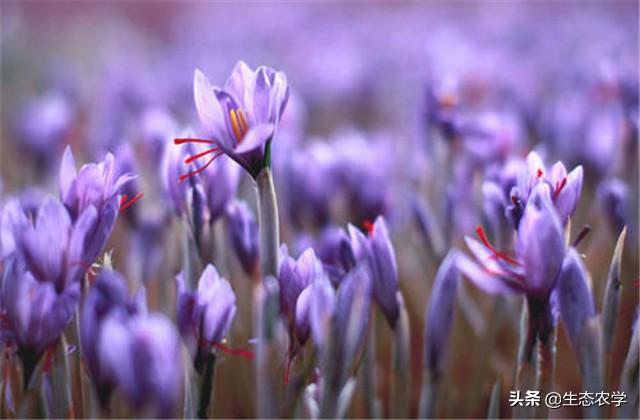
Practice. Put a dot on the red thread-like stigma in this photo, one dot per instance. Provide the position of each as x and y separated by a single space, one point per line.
200 169
192 140
247 354
539 173
124 204
559 186
201 154
496 254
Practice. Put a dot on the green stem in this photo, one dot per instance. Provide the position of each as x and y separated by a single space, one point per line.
428 396
267 293
401 382
369 378
206 385
268 222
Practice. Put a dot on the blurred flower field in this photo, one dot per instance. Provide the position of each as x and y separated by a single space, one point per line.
319 210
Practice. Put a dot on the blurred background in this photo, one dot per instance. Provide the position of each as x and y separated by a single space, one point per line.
378 90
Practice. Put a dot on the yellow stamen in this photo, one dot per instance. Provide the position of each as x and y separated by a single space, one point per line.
244 126
235 126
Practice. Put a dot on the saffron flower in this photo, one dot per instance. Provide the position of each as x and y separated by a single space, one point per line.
314 310
440 312
539 251
45 122
95 184
534 268
294 276
376 251
108 294
205 315
565 188
95 193
40 289
574 297
333 247
144 353
613 195
242 118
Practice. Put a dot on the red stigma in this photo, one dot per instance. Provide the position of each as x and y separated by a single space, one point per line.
202 168
539 173
368 226
201 154
247 354
124 204
496 254
559 186
192 140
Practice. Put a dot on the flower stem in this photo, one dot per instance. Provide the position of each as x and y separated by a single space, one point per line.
369 377
401 383
265 316
266 299
547 367
428 396
269 225
206 385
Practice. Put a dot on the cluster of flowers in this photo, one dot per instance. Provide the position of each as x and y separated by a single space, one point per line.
311 328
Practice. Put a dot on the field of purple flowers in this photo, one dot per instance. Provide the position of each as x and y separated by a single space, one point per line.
337 210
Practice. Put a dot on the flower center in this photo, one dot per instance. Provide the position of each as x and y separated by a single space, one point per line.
239 123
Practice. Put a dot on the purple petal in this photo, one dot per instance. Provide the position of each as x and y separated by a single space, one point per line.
440 312
68 173
489 283
207 105
255 138
567 199
574 296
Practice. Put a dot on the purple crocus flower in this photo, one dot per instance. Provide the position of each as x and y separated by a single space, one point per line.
314 309
440 312
294 276
333 247
310 177
533 270
376 250
575 300
143 352
243 234
205 315
94 190
40 289
108 294
241 118
365 158
95 185
565 188
539 250
45 122
352 315
613 195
